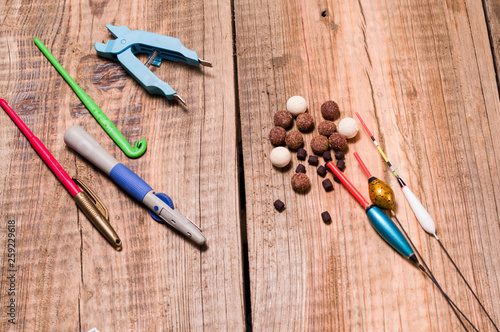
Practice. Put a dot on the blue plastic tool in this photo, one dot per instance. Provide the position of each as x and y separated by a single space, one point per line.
130 42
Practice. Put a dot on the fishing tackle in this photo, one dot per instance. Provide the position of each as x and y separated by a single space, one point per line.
383 196
423 217
84 197
160 205
159 47
132 152
384 225
386 228
380 193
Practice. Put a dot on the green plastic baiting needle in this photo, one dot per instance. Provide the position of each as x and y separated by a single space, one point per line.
104 121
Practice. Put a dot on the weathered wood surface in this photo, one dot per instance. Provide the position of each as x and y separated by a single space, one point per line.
422 75
492 13
68 277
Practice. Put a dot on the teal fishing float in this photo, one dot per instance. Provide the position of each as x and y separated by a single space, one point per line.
384 225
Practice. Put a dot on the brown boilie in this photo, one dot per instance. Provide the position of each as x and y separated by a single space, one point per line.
294 140
283 119
337 142
319 144
277 136
330 110
326 128
304 122
300 182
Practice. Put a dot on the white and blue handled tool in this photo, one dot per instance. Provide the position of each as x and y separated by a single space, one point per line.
160 205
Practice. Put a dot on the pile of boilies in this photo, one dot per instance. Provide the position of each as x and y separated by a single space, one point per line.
331 137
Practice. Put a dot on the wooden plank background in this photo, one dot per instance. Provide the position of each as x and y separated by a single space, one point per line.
492 13
423 76
69 277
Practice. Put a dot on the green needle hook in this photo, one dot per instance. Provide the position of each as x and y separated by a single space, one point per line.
104 121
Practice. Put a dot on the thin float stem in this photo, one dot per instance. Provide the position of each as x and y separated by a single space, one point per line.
430 275
450 302
463 278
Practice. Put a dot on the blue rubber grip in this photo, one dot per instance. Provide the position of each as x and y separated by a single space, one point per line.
389 231
130 182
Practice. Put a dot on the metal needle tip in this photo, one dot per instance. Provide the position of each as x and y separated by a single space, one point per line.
152 58
205 63
194 224
179 99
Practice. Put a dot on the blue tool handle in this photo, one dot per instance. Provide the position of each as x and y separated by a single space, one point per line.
169 48
144 76
130 182
388 230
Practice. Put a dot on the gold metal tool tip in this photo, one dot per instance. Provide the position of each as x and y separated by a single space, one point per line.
179 99
97 213
205 63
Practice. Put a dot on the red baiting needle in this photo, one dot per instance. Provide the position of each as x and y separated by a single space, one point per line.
362 164
364 203
42 151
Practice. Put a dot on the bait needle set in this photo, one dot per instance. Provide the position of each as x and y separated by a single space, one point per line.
86 200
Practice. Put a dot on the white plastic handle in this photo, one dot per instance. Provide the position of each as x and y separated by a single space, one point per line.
423 217
79 140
